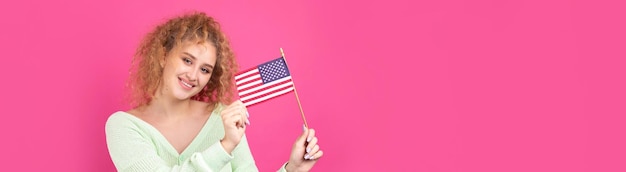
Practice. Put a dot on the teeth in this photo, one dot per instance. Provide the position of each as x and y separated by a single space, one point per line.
186 84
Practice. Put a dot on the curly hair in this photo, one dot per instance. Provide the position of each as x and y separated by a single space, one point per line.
146 72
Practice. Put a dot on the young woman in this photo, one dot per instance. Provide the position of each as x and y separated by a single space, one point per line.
184 118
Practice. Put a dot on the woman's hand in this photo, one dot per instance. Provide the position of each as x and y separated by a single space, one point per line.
305 152
235 119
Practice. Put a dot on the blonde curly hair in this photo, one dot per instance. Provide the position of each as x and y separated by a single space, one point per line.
146 72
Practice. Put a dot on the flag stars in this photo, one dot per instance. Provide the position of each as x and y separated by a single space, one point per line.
273 70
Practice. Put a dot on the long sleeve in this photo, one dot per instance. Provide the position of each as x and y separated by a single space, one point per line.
244 161
131 149
282 168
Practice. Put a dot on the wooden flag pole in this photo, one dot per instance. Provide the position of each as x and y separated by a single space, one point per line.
295 91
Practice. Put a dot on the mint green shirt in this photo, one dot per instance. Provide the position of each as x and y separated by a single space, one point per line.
135 145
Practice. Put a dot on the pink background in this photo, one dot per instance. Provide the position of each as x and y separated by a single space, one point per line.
450 85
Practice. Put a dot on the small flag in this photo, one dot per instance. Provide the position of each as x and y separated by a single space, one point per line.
264 82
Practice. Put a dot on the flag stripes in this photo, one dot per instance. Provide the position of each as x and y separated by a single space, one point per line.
264 82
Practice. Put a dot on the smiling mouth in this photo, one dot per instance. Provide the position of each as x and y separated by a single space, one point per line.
185 84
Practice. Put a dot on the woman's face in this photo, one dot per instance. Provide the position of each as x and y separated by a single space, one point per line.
187 69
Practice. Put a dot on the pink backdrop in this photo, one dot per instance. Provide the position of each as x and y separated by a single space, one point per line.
451 85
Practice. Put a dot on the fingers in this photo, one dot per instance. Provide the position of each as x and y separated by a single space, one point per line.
234 121
245 116
242 111
305 151
311 135
302 139
311 144
317 155
235 118
311 152
238 112
312 148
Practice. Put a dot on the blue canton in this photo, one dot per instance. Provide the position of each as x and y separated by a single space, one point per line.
273 70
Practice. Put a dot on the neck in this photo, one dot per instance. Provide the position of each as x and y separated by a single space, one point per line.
168 106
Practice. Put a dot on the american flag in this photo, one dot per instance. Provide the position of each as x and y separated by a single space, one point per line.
264 82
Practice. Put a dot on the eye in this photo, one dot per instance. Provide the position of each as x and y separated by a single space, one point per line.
205 70
187 60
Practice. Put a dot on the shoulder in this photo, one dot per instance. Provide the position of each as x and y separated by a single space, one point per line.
218 107
117 116
121 119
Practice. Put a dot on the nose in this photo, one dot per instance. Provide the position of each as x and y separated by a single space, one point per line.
193 75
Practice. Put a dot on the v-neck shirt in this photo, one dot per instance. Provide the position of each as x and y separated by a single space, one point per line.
135 145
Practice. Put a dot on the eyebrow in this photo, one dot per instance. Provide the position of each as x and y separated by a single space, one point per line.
194 58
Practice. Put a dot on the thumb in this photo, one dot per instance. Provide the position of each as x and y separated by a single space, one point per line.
302 139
